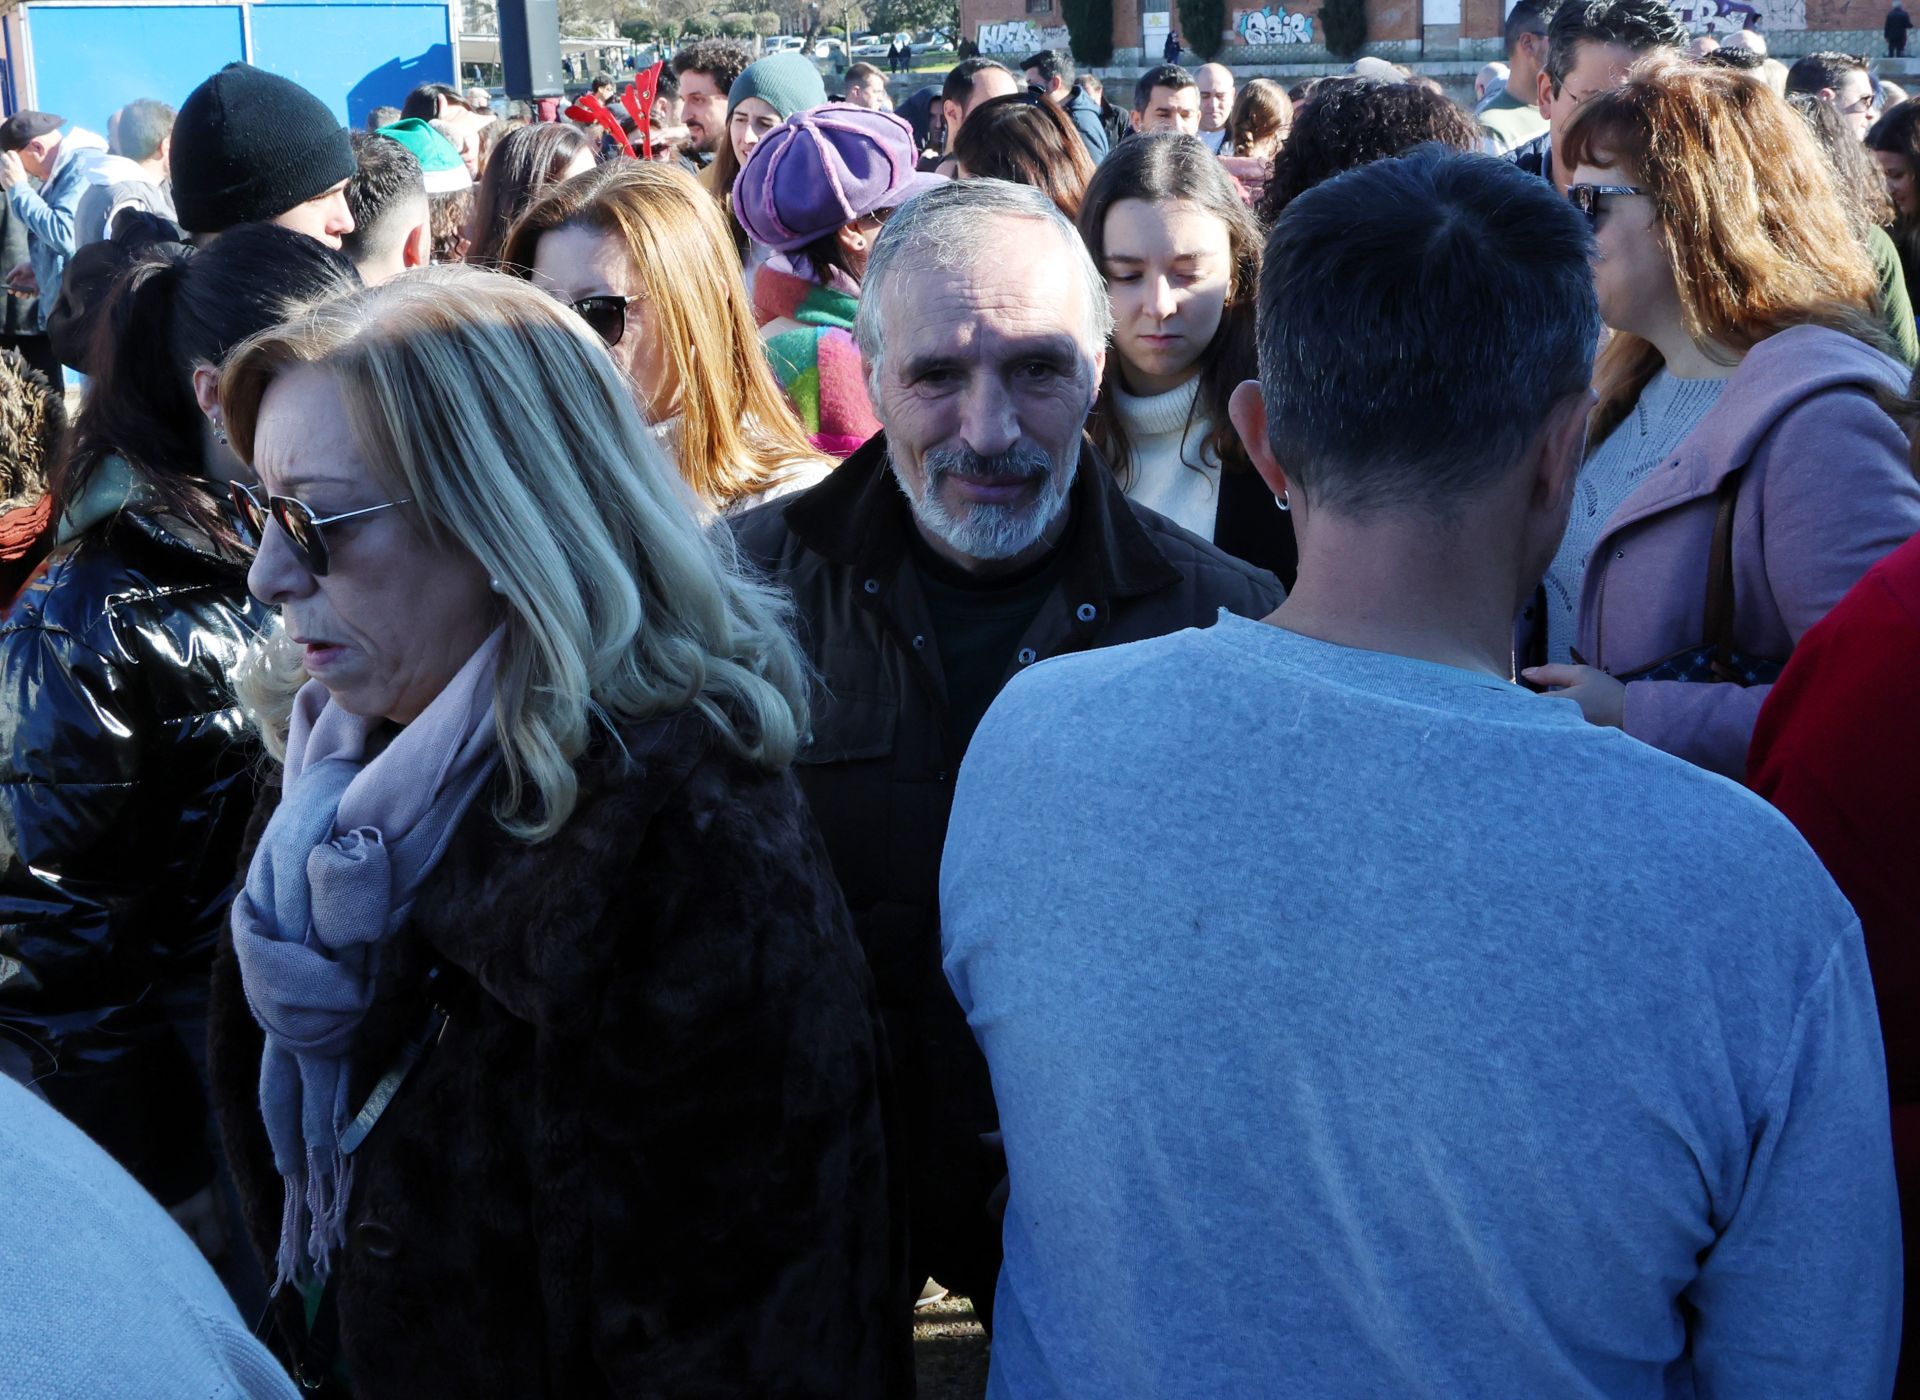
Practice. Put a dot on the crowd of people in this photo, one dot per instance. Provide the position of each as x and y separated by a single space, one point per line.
791 544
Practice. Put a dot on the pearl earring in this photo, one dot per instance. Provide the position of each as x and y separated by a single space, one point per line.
496 585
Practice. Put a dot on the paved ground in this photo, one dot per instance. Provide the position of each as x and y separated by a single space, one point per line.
949 1351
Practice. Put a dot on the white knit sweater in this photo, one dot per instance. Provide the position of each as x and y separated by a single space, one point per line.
1166 451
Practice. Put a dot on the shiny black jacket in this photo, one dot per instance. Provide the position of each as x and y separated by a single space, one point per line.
125 783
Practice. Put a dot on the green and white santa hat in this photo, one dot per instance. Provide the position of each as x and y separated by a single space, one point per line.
439 160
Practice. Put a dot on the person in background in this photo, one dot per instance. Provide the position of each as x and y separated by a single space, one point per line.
1170 51
866 86
978 534
643 255
1214 83
1510 113
382 116
1113 120
1700 45
1591 44
815 195
1899 22
251 147
969 83
1489 80
1166 99
135 173
33 436
1029 142
1702 1199
22 328
1862 191
480 100
491 136
528 162
1050 73
1350 123
1256 130
707 70
602 87
521 686
103 1295
392 228
1833 751
1742 475
35 149
1746 39
1894 144
767 92
1181 256
1891 94
449 185
126 775
1843 80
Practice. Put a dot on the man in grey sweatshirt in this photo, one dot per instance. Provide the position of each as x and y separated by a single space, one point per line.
1361 1024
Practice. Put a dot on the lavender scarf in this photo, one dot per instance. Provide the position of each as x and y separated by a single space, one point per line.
336 873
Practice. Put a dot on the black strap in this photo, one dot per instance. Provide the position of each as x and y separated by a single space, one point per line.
315 1353
1720 609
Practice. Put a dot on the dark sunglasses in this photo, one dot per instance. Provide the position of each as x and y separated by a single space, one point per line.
297 521
1586 198
606 316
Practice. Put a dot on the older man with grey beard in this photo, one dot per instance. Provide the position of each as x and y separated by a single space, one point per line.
978 533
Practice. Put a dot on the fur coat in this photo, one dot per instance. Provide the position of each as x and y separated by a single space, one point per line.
646 1156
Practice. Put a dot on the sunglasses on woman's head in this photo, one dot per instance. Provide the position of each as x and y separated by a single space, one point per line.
1586 198
606 316
297 521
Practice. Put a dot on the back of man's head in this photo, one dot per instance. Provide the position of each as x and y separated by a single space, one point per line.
430 100
141 127
722 60
1816 71
1049 64
388 198
1442 396
1640 26
958 87
1526 17
1170 76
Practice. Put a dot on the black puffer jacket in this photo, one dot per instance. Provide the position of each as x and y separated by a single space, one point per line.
125 784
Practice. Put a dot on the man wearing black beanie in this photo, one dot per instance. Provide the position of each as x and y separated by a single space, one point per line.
252 147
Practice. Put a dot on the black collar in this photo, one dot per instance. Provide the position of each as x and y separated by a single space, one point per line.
860 518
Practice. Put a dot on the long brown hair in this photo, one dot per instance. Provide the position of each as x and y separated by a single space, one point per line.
1158 169
524 163
1747 209
1026 138
1262 112
738 434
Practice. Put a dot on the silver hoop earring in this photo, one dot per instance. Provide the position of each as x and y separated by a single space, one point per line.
1281 501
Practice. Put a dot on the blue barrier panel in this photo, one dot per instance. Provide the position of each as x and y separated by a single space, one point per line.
88 61
355 56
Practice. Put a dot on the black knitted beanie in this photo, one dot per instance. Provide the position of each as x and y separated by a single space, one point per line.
249 145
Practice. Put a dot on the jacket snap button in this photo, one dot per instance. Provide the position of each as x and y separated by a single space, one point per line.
1028 656
872 585
919 642
1619 554
1086 612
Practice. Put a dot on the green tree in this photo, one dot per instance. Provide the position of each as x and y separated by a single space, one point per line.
1089 30
766 23
1343 27
1202 25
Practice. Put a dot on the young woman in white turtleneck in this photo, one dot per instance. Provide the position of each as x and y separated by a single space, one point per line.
1181 256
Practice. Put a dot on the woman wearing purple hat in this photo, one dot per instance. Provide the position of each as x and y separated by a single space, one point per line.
815 191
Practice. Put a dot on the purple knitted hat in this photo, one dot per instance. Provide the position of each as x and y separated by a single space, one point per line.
824 168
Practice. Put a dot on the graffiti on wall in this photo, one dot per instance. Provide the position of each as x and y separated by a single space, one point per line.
1725 16
1272 25
1020 36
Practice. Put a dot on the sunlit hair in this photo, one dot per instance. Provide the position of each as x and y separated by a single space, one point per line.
494 409
1028 140
738 434
527 162
1747 210
1159 170
1261 113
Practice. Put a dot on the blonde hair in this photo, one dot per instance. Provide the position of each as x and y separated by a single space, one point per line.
1746 205
739 435
495 410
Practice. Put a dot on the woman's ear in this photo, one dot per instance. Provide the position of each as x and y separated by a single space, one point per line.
206 392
